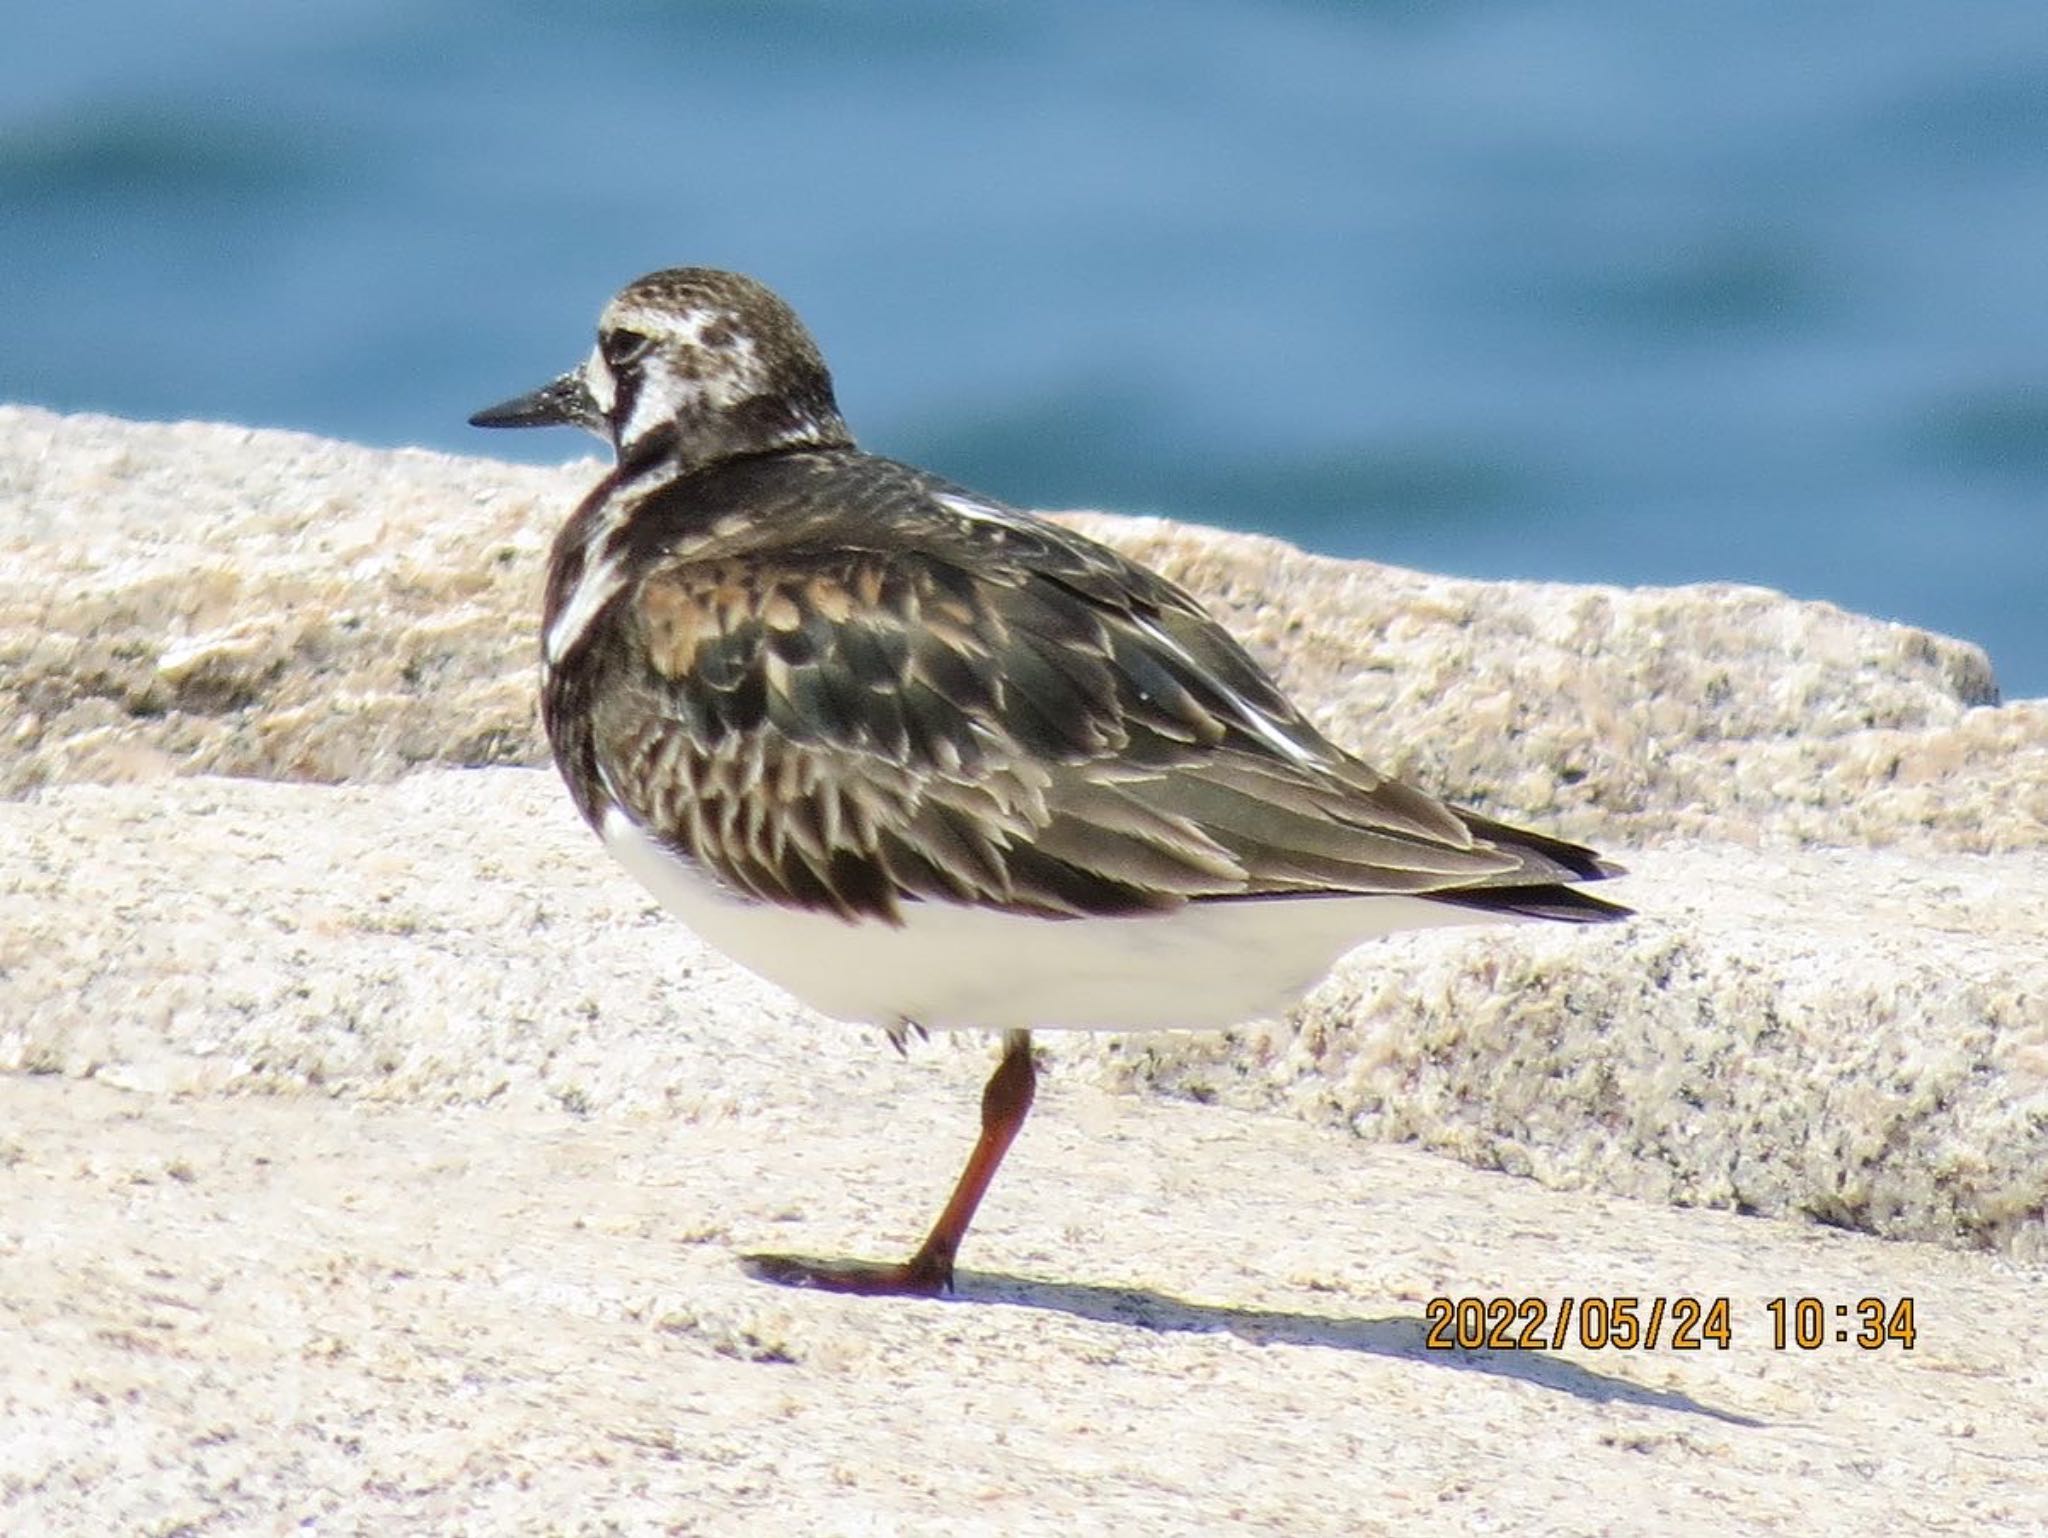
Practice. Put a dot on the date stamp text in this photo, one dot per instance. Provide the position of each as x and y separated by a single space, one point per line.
1627 1323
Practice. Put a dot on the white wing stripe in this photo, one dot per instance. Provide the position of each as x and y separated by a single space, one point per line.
1249 715
597 586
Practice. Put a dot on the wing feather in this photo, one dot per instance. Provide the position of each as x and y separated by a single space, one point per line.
1011 716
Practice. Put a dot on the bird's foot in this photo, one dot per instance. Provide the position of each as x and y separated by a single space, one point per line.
921 1276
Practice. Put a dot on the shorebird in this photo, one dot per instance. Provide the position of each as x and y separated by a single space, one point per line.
932 762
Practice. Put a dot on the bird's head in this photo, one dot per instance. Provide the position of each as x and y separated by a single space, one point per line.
693 365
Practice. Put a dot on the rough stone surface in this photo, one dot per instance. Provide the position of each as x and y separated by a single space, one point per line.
373 1155
1633 715
203 599
277 1315
375 1159
1857 1038
196 599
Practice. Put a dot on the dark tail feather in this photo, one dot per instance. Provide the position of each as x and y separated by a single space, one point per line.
1573 859
1565 903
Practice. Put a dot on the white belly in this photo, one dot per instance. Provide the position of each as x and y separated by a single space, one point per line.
953 967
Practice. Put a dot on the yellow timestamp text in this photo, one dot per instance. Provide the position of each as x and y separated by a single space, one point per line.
1807 1324
1629 1323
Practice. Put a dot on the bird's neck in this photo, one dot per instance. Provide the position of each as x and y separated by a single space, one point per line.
696 440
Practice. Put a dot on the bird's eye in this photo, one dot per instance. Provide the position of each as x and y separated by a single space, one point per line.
623 347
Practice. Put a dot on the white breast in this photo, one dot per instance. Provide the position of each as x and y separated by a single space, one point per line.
953 967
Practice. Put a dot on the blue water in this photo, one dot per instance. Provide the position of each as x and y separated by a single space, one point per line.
1605 291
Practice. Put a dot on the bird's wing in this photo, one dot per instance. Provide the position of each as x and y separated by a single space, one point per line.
1043 727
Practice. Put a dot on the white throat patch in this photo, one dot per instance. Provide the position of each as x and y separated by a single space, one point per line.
597 379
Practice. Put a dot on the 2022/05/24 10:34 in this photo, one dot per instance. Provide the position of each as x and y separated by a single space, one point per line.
1628 1323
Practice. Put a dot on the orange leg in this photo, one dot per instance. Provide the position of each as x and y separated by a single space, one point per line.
1005 1102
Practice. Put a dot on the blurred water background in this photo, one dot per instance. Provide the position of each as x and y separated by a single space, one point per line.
1599 291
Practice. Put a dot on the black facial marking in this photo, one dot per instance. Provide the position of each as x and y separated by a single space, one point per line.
622 347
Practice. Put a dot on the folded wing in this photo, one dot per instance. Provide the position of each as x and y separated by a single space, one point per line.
1009 716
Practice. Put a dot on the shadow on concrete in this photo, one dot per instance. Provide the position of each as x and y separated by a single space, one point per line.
1393 1335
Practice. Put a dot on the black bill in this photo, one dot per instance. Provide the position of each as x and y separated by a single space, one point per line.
563 402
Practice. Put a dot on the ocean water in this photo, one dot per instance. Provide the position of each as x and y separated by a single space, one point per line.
1596 291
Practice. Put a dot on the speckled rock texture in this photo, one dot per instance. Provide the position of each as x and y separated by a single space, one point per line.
196 599
1853 1037
1828 1007
373 1155
375 1160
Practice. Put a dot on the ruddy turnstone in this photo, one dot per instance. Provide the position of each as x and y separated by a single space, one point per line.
930 762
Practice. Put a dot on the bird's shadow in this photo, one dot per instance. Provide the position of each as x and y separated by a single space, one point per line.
1393 1335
